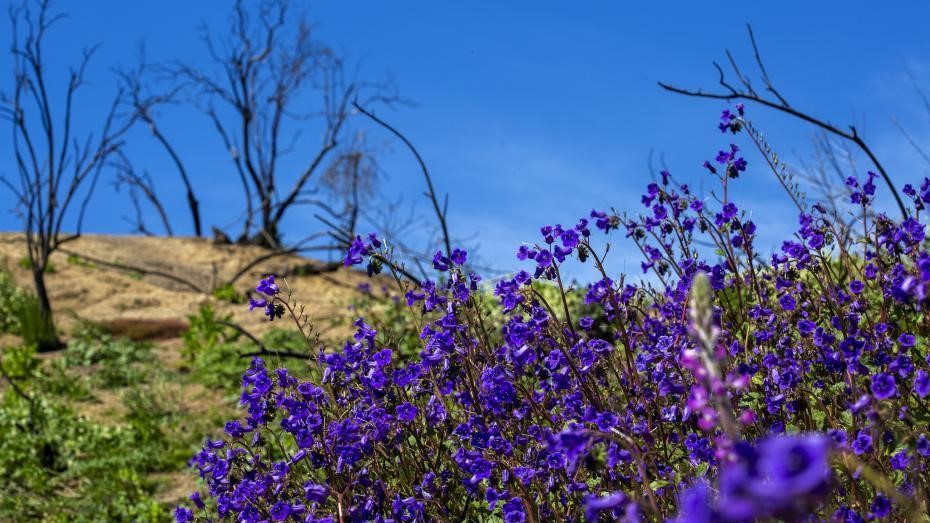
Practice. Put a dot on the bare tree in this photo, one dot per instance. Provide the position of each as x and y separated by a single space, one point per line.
140 185
54 167
144 105
266 63
772 98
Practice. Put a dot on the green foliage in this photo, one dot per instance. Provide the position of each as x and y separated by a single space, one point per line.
74 259
220 367
113 362
26 263
36 327
228 293
205 331
285 339
211 351
58 466
11 300
21 314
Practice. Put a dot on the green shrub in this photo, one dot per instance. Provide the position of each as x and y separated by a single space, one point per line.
26 263
204 332
11 298
228 293
220 367
74 259
285 340
58 466
35 327
115 362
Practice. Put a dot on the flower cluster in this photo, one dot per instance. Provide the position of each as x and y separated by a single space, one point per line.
267 290
733 388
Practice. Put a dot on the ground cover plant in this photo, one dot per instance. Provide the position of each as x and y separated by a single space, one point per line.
103 430
730 385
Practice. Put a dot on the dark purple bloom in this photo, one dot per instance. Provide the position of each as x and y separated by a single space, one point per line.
880 506
792 467
316 493
440 262
544 258
900 460
883 386
856 286
267 286
280 511
694 505
594 505
863 443
183 515
922 383
406 412
259 303
459 256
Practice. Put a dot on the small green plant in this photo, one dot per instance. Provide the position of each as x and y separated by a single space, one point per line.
35 327
205 331
284 339
74 259
26 263
220 367
228 293
11 299
116 362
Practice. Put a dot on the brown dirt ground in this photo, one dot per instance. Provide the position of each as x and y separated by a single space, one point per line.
103 294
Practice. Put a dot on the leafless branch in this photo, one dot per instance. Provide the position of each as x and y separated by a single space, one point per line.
431 192
779 103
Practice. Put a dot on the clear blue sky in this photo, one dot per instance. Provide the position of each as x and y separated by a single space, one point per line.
534 112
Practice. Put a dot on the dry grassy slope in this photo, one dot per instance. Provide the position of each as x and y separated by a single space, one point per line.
103 294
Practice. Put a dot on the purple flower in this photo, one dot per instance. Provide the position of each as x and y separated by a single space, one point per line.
863 443
880 506
594 505
280 511
259 303
922 383
923 446
183 515
569 239
783 476
267 286
440 262
544 258
792 467
694 505
883 386
459 256
900 460
406 412
856 286
907 339
316 493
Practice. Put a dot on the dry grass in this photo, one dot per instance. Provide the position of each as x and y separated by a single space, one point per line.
131 303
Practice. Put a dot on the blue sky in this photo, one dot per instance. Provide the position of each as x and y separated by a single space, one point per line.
534 112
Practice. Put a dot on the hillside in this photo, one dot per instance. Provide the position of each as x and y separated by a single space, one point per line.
79 288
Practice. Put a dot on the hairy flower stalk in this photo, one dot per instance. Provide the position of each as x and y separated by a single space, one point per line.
701 315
